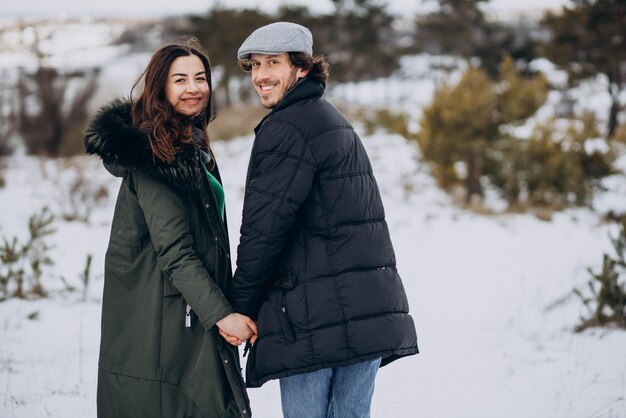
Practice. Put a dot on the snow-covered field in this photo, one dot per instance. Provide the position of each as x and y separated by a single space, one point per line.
491 295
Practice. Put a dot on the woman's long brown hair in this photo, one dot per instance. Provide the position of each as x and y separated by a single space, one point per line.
168 130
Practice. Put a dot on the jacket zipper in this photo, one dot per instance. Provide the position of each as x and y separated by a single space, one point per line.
188 316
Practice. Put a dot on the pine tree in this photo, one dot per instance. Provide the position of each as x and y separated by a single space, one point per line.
358 40
460 27
456 27
589 38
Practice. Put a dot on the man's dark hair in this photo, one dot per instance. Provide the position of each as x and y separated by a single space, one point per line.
317 66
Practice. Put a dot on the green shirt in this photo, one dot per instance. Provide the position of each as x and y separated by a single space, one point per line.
218 191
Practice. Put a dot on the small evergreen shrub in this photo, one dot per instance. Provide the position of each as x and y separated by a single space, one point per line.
85 279
466 135
606 298
463 126
564 170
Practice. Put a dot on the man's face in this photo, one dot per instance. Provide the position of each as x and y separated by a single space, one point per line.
272 76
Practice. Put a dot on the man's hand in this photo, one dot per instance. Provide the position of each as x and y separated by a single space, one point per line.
231 339
236 328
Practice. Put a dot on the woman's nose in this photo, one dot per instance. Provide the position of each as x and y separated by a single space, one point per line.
192 87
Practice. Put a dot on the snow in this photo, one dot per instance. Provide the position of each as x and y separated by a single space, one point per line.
491 295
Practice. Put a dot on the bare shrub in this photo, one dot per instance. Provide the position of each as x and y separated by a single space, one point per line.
23 262
52 109
80 195
7 127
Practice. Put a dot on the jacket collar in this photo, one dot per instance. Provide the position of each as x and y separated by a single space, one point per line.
121 147
305 88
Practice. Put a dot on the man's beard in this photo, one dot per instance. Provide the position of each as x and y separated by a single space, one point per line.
291 81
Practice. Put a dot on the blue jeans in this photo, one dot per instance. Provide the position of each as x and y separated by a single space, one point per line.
341 392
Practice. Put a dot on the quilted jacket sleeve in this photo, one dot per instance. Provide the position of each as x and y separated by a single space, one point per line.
280 178
169 228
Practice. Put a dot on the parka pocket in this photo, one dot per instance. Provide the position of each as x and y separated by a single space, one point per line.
274 311
285 323
283 285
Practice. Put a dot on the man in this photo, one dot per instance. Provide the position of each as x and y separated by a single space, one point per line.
315 265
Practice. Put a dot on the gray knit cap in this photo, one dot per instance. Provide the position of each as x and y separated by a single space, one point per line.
277 38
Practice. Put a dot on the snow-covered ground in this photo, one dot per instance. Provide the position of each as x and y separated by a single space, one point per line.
491 298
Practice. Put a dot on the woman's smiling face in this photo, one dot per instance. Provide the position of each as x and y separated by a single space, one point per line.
187 87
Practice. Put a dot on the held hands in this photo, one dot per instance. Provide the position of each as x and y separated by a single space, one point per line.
237 328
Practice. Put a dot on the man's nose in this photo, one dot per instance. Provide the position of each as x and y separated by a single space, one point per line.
262 72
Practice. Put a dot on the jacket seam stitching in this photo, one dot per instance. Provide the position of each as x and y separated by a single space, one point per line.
326 228
291 180
256 231
276 196
286 154
304 139
340 225
343 322
359 174
334 128
337 273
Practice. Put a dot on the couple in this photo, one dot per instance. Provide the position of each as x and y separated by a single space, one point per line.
315 296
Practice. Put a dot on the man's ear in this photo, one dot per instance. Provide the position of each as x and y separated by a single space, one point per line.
302 73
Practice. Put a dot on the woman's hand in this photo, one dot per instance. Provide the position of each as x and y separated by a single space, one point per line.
237 328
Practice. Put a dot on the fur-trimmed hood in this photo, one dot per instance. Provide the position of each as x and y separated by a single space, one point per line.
121 147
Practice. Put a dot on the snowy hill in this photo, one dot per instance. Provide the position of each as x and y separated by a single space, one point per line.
491 297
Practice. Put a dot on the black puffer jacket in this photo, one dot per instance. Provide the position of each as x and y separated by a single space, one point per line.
315 262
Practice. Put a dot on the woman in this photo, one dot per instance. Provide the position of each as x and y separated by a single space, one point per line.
167 266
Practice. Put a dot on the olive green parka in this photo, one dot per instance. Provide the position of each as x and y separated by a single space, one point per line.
167 269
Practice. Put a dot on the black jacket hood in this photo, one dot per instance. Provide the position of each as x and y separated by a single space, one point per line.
122 147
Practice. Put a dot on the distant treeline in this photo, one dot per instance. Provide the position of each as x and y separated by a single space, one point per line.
361 39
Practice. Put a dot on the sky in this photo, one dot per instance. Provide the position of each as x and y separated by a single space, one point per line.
150 8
